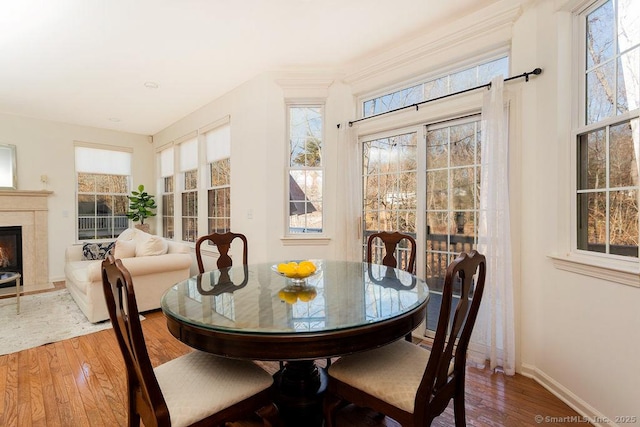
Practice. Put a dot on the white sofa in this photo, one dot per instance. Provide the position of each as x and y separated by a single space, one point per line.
155 265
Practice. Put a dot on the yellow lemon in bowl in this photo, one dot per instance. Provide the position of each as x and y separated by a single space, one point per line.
304 270
294 270
308 264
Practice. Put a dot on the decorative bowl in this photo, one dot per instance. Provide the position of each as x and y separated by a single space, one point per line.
296 271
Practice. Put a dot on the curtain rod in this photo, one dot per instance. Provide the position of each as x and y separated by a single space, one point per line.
536 72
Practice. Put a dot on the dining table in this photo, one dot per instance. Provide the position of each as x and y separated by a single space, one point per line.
254 312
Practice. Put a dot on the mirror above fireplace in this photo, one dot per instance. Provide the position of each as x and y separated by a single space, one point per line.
8 172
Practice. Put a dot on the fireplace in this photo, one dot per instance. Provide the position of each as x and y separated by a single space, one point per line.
28 210
10 251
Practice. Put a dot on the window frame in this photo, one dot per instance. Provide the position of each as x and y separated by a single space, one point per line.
609 267
424 79
164 194
304 103
209 188
184 168
100 171
582 127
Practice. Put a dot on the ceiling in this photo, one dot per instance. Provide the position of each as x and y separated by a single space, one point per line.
86 62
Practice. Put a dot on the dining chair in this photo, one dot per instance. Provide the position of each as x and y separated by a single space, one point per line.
391 241
405 381
195 389
223 242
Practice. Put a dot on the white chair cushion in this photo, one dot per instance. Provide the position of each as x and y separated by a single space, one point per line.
199 384
391 373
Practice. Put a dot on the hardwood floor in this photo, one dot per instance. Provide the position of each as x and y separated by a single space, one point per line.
81 382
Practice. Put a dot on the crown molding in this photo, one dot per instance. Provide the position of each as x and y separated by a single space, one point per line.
305 85
486 29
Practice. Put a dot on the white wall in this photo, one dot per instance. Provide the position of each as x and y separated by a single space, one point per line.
577 335
258 159
46 148
580 334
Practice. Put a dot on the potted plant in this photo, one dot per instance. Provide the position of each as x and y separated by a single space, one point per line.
141 204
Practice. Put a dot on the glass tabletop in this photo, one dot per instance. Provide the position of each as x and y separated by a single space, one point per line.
255 299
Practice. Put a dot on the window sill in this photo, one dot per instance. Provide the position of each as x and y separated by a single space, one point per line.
623 272
305 240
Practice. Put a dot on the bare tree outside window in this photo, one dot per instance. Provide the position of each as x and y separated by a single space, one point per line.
390 189
607 155
190 206
102 205
430 89
167 208
305 169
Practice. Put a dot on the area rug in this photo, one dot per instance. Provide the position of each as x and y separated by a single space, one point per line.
44 318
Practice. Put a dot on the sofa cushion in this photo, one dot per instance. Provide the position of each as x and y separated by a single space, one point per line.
82 273
150 245
124 249
128 234
93 251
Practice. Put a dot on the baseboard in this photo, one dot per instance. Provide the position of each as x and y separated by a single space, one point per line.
586 411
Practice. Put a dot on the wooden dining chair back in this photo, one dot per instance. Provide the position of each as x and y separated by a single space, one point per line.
192 389
391 240
405 381
223 242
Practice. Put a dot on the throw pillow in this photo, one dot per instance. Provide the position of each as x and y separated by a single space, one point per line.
128 234
93 251
152 245
124 249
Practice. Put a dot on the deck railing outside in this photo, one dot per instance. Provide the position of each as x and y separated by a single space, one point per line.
101 227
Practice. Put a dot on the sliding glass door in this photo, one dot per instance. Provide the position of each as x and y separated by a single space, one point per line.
429 190
452 200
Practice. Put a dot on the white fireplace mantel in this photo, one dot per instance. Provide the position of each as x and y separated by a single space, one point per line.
28 209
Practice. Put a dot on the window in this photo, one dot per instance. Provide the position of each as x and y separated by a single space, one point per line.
306 126
608 133
389 189
167 208
189 174
434 88
218 142
448 188
102 187
452 200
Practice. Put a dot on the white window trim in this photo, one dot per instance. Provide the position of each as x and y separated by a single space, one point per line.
611 268
303 239
105 147
587 264
207 187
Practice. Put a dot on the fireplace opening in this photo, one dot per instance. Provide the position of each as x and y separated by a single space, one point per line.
10 251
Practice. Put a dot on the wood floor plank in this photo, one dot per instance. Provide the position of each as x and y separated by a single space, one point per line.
100 384
81 375
81 382
10 414
67 394
36 398
24 396
45 355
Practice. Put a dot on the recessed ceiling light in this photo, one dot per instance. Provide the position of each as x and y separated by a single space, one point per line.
151 85
114 119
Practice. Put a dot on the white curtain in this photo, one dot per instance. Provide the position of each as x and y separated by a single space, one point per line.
493 336
350 188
